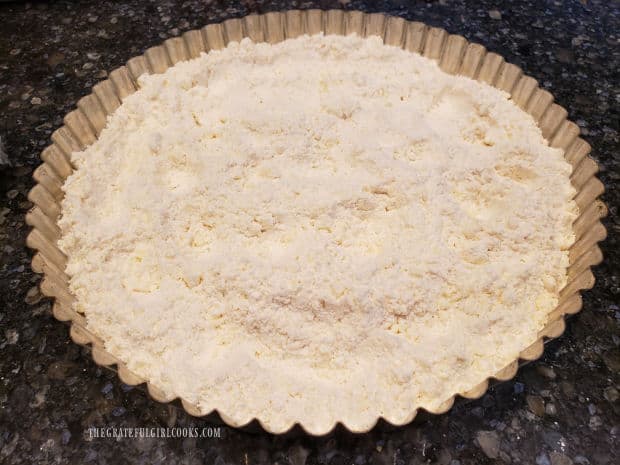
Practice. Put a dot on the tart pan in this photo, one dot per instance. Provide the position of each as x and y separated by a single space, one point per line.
454 54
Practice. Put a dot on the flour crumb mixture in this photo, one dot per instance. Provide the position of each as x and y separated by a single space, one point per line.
324 229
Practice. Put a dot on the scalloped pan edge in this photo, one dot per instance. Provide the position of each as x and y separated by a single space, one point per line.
454 54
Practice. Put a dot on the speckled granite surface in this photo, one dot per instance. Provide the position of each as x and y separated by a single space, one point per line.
563 409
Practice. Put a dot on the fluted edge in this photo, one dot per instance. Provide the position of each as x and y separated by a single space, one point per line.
454 54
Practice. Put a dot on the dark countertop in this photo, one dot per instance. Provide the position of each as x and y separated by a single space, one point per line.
560 410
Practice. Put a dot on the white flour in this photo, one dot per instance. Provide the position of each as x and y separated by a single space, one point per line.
323 229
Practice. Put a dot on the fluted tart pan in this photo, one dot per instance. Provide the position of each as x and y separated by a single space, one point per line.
454 54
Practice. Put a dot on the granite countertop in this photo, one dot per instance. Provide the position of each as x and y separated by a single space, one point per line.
563 409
